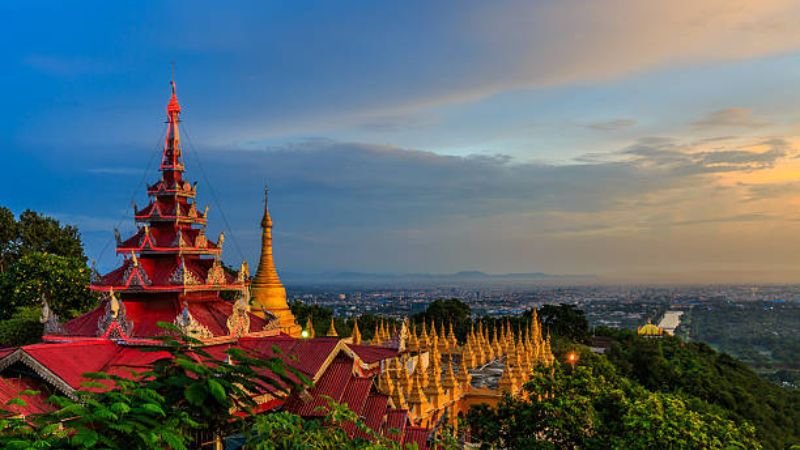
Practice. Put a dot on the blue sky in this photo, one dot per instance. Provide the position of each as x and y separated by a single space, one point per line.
640 141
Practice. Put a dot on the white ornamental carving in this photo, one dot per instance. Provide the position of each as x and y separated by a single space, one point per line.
50 319
114 322
239 320
191 327
216 274
182 275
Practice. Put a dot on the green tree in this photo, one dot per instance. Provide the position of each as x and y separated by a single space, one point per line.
22 328
446 311
564 320
8 237
62 281
39 233
592 407
715 382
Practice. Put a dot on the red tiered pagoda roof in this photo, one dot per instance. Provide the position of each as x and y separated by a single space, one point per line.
172 271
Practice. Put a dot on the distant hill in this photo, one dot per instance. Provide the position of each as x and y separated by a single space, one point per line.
471 277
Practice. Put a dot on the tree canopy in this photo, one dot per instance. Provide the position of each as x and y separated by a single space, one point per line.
62 281
565 321
593 407
36 233
39 258
723 384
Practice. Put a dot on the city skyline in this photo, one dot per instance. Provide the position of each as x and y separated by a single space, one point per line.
650 143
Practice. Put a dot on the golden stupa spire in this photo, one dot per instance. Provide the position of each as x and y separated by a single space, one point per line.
332 330
450 384
417 403
468 356
402 379
424 340
507 384
434 390
488 350
412 343
463 377
398 396
451 336
376 336
356 336
310 327
267 290
498 349
385 383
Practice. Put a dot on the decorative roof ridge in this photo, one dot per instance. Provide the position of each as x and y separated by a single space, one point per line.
20 355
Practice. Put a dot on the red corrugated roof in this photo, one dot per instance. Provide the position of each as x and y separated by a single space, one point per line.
69 361
354 397
373 413
395 426
356 393
332 384
370 354
11 388
306 355
417 435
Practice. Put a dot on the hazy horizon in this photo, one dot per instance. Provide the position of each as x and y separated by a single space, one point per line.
640 142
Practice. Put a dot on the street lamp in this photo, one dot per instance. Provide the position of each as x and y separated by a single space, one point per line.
572 359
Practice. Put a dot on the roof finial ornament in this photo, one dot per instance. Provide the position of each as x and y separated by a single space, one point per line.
266 221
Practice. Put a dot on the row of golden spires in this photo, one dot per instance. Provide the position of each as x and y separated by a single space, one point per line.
423 390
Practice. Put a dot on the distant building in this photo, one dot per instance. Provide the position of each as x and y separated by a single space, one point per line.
650 331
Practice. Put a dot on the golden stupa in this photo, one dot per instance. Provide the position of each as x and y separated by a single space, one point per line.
267 291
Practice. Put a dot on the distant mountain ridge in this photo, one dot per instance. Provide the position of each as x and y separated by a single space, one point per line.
467 276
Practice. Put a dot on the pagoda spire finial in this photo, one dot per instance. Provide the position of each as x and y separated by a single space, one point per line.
172 160
266 220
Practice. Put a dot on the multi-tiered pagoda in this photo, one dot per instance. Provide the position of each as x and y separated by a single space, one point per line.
172 271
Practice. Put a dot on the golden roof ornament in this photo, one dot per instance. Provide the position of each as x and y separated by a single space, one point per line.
356 336
244 273
216 273
310 327
332 330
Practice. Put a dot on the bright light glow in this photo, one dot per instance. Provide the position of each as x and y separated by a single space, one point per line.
572 358
304 334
